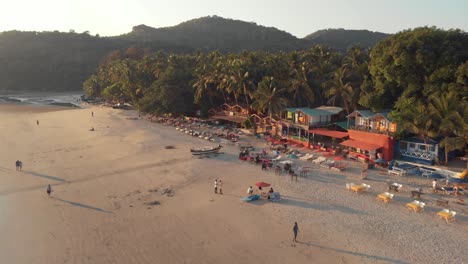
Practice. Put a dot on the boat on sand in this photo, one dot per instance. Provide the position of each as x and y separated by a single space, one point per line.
206 150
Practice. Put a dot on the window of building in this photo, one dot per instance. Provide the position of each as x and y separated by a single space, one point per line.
403 145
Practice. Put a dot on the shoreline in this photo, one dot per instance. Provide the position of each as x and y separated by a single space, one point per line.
104 182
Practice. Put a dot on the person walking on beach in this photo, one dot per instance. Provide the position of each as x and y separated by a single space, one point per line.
220 187
17 164
216 186
20 163
92 114
295 231
49 190
37 122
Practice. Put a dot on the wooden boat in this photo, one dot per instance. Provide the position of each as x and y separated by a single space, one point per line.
206 150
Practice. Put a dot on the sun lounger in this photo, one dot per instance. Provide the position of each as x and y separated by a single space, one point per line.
327 164
307 156
447 215
319 160
338 168
397 172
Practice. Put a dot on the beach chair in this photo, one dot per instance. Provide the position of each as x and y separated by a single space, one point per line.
394 187
327 163
307 156
338 168
447 215
442 202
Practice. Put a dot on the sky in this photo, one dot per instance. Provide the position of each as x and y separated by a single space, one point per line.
298 17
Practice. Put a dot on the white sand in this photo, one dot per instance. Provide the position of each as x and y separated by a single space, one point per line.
101 182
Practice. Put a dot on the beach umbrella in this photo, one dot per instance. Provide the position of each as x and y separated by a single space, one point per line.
297 145
338 158
293 156
287 162
262 184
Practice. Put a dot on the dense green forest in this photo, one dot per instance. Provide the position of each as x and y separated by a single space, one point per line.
421 74
56 61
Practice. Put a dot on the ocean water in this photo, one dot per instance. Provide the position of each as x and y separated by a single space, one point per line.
68 99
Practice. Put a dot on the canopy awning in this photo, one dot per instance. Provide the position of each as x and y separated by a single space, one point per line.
359 144
329 133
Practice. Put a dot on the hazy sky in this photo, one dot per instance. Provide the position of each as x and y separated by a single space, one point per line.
298 17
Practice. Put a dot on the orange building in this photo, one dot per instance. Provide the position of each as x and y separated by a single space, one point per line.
371 134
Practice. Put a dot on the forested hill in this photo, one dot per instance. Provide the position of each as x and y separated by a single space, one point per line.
217 33
343 39
57 61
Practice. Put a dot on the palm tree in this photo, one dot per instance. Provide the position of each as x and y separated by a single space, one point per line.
302 93
340 89
447 110
418 120
268 97
451 143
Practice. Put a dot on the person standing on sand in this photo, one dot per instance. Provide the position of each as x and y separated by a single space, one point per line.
295 231
92 114
49 190
220 187
17 164
216 186
37 122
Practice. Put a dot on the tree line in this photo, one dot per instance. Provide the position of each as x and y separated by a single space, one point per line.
420 74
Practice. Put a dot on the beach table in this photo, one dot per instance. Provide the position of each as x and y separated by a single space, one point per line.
416 206
447 215
386 197
358 188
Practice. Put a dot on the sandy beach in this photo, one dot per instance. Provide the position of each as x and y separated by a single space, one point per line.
120 197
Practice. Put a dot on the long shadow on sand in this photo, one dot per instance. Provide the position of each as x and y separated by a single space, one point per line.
83 205
45 176
372 257
292 201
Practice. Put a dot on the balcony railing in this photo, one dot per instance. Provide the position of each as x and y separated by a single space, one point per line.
230 113
372 130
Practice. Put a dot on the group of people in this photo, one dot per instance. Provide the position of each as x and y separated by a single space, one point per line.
250 190
19 165
218 186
